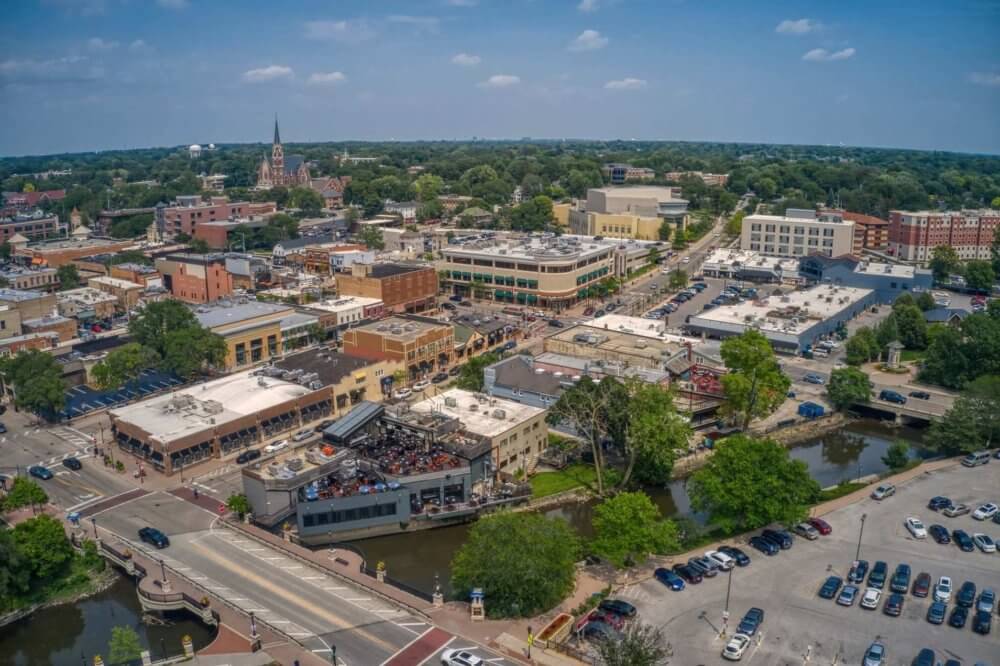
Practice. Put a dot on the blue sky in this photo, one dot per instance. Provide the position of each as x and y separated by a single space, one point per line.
95 74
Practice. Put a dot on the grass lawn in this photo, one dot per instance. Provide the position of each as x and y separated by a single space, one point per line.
544 484
908 355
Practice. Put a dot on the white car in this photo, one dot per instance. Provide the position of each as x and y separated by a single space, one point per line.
402 393
421 385
736 646
871 598
302 435
942 591
916 528
984 542
274 447
460 658
686 260
724 561
986 511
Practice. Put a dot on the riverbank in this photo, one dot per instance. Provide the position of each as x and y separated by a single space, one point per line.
73 590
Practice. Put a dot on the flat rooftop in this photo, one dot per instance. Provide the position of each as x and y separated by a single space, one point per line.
213 316
791 313
18 295
117 283
207 406
750 259
11 271
478 413
390 270
534 247
633 191
342 304
402 328
791 219
895 270
330 367
648 328
87 295
74 243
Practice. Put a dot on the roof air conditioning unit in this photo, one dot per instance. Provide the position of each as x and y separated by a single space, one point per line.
474 407
450 402
499 414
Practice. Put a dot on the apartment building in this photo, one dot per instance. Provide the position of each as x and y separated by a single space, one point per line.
710 179
618 174
55 253
87 304
913 235
142 274
870 232
28 226
127 293
401 287
551 272
797 233
196 278
188 211
30 304
36 277
421 344
215 182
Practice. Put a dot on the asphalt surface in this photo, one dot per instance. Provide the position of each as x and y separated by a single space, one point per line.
798 622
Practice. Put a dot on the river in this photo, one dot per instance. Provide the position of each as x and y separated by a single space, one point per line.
856 450
71 634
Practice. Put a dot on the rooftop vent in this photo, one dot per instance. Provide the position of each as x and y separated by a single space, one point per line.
499 414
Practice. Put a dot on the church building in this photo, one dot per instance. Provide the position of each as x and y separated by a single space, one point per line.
280 169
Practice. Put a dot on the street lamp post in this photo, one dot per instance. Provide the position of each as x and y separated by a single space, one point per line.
857 554
93 521
163 571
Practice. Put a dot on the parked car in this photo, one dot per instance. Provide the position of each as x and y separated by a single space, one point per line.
782 538
706 568
963 540
984 542
751 622
741 558
466 304
402 393
735 648
765 546
925 657
600 631
987 600
669 578
892 396
858 571
3 428
830 587
455 371
588 312
880 571
72 463
956 510
448 306
247 456
555 323
874 655
916 527
958 617
821 526
893 605
724 561
985 512
40 472
806 530
883 491
323 425
966 596
274 447
439 377
154 537
937 612
900 582
942 591
618 607
981 622
939 533
920 395
302 435
848 595
938 502
813 378
871 598
460 658
922 585
422 385
687 573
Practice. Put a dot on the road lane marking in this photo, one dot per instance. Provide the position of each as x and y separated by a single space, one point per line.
357 598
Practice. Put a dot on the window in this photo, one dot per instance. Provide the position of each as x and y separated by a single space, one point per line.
256 350
241 353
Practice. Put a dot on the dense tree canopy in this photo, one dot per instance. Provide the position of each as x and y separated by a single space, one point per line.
972 423
168 330
848 386
956 356
628 527
471 376
755 385
37 379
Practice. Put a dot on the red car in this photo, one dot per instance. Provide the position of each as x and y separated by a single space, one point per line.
821 526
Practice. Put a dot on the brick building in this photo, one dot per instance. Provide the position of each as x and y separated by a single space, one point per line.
913 235
189 211
127 293
196 278
401 287
423 345
29 226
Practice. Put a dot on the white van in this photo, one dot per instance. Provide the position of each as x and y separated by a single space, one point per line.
976 459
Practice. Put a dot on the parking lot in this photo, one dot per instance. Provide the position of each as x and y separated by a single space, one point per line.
799 624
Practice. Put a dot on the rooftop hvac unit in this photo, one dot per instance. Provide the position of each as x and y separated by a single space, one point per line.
261 382
212 407
474 407
499 414
315 386
396 330
450 402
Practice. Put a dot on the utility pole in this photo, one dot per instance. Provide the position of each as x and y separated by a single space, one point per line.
857 554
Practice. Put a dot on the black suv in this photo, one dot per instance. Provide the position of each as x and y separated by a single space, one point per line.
900 579
618 607
966 594
782 538
73 464
247 456
751 622
154 537
880 572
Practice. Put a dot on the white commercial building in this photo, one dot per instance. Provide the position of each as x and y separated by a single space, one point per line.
349 310
797 233
749 265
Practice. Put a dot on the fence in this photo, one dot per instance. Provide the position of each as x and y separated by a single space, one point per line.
399 585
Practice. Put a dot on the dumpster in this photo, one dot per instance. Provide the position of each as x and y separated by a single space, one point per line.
811 410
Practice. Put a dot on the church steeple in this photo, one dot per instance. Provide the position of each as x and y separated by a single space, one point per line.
278 154
277 137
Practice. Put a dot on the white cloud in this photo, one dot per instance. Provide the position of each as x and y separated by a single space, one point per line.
466 60
350 32
269 73
588 40
173 4
798 26
500 81
627 83
589 6
988 79
822 55
326 78
138 46
98 44
429 23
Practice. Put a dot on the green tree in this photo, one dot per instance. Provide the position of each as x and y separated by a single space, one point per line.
956 357
641 644
532 215
628 527
5 251
68 276
24 492
862 347
15 571
524 562
588 408
734 225
848 386
37 379
471 376
678 279
190 350
944 261
123 364
653 256
755 385
973 421
911 325
371 236
925 301
655 434
199 246
238 504
431 209
428 187
980 275
44 545
897 456
308 201
124 646
994 246
150 327
748 483
663 233
903 299
887 331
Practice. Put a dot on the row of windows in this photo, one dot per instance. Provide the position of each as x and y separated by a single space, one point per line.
348 515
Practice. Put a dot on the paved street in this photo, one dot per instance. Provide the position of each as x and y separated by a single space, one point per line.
798 622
